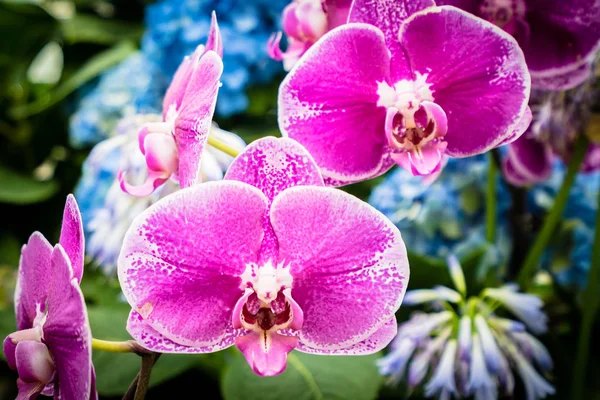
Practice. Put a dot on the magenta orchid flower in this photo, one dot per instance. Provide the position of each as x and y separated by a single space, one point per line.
304 22
51 350
173 148
405 83
269 260
559 37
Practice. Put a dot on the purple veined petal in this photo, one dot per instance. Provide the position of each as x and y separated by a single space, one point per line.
477 74
562 80
266 352
520 128
530 159
193 122
352 268
34 363
182 258
337 12
71 236
35 267
388 15
374 343
214 41
273 165
151 339
331 108
67 331
564 35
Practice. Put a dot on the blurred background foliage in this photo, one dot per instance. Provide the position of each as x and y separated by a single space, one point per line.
53 53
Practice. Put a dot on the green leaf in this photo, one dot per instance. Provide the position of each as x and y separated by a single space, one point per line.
307 377
92 29
16 188
116 371
88 71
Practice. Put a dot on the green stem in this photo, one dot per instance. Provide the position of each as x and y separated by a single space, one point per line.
590 301
222 146
127 346
553 218
148 361
490 204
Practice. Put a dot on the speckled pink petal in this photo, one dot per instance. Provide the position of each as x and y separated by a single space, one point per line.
194 120
275 164
348 262
71 236
32 282
374 343
388 15
331 107
477 74
266 353
564 36
182 258
150 339
67 331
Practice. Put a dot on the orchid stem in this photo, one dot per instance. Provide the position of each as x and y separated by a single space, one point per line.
490 205
590 301
535 254
127 346
222 146
143 378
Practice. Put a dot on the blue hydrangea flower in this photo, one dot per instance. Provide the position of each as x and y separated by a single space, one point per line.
137 85
577 228
447 215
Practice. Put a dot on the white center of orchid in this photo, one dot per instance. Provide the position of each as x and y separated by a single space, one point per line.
414 124
267 280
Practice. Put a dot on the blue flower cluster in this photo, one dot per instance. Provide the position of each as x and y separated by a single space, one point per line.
445 216
174 28
569 260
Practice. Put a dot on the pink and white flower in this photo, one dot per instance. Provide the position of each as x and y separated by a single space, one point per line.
405 83
173 147
269 260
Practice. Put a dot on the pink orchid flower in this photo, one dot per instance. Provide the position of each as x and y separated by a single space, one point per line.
304 22
269 260
405 83
173 148
52 349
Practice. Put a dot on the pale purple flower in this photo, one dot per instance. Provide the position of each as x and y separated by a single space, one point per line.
559 37
267 259
404 83
304 22
465 350
527 307
51 350
173 148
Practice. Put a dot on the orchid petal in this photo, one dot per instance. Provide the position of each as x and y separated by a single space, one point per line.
427 162
153 182
266 352
151 339
372 344
32 284
531 159
331 108
275 164
193 121
561 80
182 259
388 15
34 363
354 264
176 90
67 330
484 97
9 347
214 41
28 391
160 152
337 12
71 236
273 47
564 36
